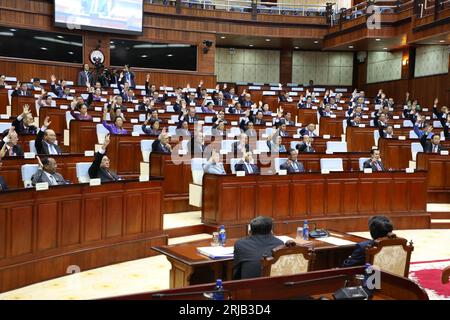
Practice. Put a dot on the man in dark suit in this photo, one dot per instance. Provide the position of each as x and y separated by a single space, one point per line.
245 99
162 144
127 77
85 76
249 251
99 168
9 145
387 133
309 130
433 146
47 173
246 164
24 122
305 145
196 145
355 122
241 146
374 162
258 119
46 140
219 100
379 227
189 116
292 165
22 90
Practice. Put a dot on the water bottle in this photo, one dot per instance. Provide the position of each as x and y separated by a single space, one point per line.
299 233
367 274
219 294
305 230
222 236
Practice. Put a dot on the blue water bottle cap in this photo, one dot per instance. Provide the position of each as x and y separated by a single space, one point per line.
219 282
305 222
222 227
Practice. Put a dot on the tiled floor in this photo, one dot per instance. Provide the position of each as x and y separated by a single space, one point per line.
153 273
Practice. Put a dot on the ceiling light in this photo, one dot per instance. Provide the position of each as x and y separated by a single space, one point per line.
350 47
42 48
441 41
70 52
296 47
61 37
316 42
377 39
268 40
12 30
144 56
170 55
250 45
223 37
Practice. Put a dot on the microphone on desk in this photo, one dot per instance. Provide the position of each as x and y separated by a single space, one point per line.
192 293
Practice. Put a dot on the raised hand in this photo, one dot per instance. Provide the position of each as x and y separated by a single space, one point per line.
224 86
53 78
188 85
11 131
201 83
39 162
436 101
47 122
106 141
26 109
147 77
18 85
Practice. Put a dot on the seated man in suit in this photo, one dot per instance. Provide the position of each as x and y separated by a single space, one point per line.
196 146
22 90
258 118
433 146
10 144
162 144
189 116
309 130
305 145
47 173
274 143
292 165
379 227
305 105
387 132
214 166
241 146
246 164
249 251
3 185
24 122
99 168
374 162
355 122
46 140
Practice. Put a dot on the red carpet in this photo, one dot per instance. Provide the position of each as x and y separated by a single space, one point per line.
428 275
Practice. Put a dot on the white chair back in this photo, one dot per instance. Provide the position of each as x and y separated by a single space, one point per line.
261 145
174 118
207 130
361 163
208 119
413 135
226 145
68 119
415 148
172 130
170 109
83 171
294 144
332 164
278 162
233 162
337 146
32 146
146 149
27 172
344 126
138 128
101 133
407 124
142 117
437 124
197 170
376 136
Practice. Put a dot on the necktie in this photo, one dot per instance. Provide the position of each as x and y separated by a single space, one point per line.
52 149
249 168
435 149
52 180
377 165
11 153
294 164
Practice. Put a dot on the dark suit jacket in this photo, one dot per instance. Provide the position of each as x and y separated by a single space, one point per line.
41 146
17 149
195 148
368 164
248 253
20 129
158 147
82 78
132 82
241 167
40 176
21 93
3 185
358 257
104 174
305 131
428 145
302 147
235 145
290 168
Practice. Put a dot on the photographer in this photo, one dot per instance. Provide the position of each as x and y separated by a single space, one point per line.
85 76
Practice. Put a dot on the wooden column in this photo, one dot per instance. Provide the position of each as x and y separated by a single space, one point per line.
285 65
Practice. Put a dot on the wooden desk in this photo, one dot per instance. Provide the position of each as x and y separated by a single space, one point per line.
4 101
11 169
397 153
438 182
45 232
313 285
190 267
343 201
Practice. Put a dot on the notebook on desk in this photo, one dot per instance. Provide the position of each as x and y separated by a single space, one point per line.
217 252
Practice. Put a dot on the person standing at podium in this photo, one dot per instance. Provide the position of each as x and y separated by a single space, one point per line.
249 251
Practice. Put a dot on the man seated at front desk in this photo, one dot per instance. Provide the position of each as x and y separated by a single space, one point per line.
246 164
433 146
214 166
99 168
374 162
24 122
292 165
47 173
387 133
309 130
162 144
249 251
46 140
379 227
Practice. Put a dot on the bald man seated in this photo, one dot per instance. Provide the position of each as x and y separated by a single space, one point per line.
46 140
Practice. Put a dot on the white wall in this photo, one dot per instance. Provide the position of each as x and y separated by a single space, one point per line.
247 65
431 60
324 68
384 66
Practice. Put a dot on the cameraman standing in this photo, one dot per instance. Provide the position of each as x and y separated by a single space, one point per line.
85 76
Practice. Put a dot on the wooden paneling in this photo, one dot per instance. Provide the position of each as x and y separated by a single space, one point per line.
438 182
76 225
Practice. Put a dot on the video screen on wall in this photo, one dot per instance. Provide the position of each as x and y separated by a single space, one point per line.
117 16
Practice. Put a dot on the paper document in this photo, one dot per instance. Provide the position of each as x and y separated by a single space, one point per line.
216 252
336 241
285 238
